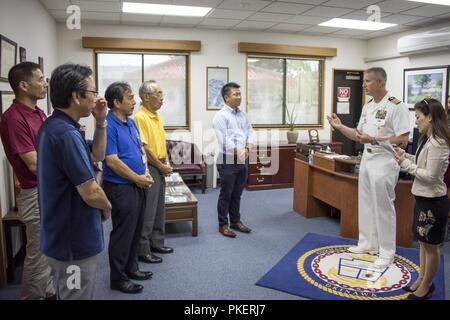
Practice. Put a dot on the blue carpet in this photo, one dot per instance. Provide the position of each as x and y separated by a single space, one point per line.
320 267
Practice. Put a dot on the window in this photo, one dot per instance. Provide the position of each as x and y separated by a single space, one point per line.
275 84
169 70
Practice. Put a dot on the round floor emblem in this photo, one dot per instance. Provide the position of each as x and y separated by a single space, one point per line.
337 271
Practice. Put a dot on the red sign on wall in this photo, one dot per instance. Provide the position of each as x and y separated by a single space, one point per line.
343 92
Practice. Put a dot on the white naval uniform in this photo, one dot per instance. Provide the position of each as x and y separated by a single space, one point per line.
378 176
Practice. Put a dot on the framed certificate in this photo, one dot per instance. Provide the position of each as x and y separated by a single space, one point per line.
6 99
8 57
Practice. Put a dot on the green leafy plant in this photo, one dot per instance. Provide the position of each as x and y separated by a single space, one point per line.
290 117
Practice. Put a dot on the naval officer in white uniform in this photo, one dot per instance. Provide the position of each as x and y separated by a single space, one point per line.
383 117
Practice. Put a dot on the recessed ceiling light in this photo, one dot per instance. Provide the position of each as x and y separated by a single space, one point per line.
441 2
356 24
164 9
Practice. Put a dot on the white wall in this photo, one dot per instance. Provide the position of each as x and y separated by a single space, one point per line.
387 46
219 48
29 25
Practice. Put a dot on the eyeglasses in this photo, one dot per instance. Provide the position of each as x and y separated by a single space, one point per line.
94 92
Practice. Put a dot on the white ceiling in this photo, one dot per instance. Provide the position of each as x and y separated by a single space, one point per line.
287 16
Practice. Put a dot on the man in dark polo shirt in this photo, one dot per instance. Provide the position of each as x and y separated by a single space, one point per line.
125 182
19 127
72 204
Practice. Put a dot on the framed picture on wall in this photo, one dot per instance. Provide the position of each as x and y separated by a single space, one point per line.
49 104
8 56
6 99
420 83
22 54
216 78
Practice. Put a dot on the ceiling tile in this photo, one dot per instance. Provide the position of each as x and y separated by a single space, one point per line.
197 3
250 5
254 25
430 10
219 22
377 34
320 29
100 17
359 4
230 14
306 20
362 15
56 4
313 2
212 27
291 8
329 12
400 19
422 22
187 21
289 27
274 17
396 6
98 6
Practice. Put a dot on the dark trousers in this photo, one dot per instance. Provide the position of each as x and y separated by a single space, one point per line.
127 214
232 182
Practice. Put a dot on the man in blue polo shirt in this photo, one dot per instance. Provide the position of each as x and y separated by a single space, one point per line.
72 203
125 182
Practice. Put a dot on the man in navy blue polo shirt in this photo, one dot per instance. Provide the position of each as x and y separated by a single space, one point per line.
125 182
72 204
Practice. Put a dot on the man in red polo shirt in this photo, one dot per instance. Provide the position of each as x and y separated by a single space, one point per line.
19 127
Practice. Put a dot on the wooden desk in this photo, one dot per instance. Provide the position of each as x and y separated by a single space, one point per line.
317 189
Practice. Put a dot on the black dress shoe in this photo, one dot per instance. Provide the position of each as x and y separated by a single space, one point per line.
127 287
162 249
150 258
140 275
429 294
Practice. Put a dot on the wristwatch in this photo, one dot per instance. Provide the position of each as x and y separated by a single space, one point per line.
101 125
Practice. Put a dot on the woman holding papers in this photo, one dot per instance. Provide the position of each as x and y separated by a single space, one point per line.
431 210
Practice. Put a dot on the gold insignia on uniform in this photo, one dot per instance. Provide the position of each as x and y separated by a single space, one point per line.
394 100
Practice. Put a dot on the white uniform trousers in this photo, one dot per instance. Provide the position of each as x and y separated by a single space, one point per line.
378 176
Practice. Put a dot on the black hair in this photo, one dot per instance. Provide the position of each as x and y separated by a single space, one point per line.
115 91
227 88
65 80
439 125
21 72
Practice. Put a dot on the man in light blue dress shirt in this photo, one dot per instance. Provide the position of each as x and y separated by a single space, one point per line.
235 136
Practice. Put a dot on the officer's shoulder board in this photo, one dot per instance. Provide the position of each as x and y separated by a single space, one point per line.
394 100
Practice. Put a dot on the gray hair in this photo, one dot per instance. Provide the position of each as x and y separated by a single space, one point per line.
379 72
147 87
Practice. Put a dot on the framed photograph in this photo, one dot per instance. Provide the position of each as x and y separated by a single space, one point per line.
8 56
22 54
216 78
420 83
41 64
6 99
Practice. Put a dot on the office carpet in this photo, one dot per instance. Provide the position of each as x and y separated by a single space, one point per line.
320 267
213 267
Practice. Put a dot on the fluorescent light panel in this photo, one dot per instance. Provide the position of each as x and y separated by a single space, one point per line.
164 9
441 2
356 24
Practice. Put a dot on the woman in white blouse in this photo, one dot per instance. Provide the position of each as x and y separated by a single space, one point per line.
431 209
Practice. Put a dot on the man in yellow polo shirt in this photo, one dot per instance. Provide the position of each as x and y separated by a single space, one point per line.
153 136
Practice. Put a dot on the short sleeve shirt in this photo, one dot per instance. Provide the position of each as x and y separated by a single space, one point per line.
152 131
70 228
19 128
389 117
123 140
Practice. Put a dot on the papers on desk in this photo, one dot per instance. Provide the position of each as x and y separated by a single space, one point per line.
386 145
337 156
174 177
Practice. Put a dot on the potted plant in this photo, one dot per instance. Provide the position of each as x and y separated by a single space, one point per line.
292 135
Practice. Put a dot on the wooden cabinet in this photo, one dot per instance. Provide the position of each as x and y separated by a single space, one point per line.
271 167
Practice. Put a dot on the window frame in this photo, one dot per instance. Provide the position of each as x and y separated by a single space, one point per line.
322 69
142 53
